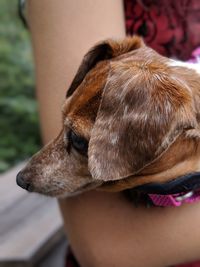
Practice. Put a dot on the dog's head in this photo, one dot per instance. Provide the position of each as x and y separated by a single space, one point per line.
131 117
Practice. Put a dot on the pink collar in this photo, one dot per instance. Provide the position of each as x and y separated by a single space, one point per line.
174 200
184 189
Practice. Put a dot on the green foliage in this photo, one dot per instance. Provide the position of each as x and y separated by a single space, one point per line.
19 131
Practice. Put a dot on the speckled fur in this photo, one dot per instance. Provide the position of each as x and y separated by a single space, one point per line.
140 115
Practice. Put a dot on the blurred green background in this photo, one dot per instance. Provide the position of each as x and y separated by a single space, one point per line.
19 127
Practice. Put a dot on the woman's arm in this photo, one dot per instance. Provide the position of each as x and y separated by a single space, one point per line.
62 32
106 230
103 228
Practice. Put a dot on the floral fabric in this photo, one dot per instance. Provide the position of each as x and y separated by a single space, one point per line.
170 27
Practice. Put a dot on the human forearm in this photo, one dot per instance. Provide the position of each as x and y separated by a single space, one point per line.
109 231
62 32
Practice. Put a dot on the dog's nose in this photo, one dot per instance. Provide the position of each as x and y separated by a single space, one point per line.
22 183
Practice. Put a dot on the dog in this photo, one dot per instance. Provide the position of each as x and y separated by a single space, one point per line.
131 120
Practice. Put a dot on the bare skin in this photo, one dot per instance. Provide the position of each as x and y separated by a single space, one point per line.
103 228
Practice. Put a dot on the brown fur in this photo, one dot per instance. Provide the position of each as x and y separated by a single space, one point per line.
139 114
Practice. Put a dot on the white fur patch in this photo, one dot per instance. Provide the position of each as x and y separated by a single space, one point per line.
114 138
193 66
125 110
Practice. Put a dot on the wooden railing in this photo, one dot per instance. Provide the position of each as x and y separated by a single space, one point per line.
30 224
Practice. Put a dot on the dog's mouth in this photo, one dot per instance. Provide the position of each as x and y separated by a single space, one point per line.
173 193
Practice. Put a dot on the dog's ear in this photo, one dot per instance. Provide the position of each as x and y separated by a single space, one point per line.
142 112
105 50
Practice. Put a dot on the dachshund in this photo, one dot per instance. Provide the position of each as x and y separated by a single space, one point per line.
130 121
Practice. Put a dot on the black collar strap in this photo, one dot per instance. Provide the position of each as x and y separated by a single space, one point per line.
186 183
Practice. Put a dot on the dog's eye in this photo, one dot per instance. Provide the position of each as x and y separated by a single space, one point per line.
78 142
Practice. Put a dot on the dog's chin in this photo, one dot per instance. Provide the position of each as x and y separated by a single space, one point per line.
64 192
85 188
56 192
